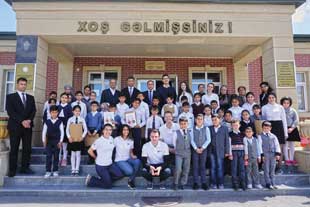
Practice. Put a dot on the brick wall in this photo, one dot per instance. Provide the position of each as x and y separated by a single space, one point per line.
52 76
132 66
255 72
302 60
7 58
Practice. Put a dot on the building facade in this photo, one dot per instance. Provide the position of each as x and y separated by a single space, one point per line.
229 42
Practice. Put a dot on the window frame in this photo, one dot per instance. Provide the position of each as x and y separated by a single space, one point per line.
304 85
3 76
206 70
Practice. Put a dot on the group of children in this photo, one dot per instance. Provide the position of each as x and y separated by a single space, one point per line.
195 133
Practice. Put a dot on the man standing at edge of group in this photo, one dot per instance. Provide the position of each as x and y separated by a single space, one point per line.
166 90
21 110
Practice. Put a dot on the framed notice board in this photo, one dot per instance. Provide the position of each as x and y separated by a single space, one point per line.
285 74
26 70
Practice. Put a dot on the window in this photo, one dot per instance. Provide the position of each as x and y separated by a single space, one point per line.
301 91
99 81
8 77
205 78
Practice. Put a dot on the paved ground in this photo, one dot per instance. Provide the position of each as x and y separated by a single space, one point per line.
253 201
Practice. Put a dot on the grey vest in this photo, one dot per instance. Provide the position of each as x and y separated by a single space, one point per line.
252 149
268 144
200 136
183 145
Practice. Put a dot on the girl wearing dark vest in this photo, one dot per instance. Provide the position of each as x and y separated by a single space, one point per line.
64 113
52 137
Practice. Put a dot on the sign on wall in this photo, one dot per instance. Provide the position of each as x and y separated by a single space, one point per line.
26 70
285 74
155 65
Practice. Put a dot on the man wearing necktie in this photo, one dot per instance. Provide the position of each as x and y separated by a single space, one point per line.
21 110
150 93
130 91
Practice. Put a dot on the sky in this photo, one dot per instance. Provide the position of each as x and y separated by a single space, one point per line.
301 18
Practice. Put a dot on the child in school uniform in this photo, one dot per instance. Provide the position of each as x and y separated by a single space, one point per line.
237 156
197 106
153 122
170 106
227 120
214 106
248 105
136 127
79 102
76 147
121 107
143 105
117 123
156 102
235 108
219 149
46 114
93 123
182 154
179 104
52 137
271 153
246 122
201 140
220 112
252 155
292 130
207 115
256 112
186 113
64 113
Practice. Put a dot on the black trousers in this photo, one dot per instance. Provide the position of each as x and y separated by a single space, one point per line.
136 133
164 174
24 135
52 155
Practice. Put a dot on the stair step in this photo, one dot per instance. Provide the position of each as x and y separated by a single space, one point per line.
123 192
290 180
41 159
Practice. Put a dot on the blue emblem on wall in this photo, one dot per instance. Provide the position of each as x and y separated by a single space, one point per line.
26 49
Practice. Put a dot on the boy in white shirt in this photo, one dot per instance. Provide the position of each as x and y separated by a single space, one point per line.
153 122
143 105
170 106
121 107
186 113
79 97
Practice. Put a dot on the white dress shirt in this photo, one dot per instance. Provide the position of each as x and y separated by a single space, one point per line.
149 123
190 119
206 99
72 120
121 109
236 112
188 95
83 108
169 135
275 112
140 116
249 107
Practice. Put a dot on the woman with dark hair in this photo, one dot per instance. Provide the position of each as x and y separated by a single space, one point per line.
292 130
266 90
250 102
224 98
124 156
275 114
184 90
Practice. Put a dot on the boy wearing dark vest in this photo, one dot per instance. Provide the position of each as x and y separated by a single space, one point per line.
182 154
201 140
237 156
252 151
52 137
271 153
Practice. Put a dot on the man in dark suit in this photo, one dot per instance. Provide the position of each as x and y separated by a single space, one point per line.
111 94
166 90
130 91
150 93
21 110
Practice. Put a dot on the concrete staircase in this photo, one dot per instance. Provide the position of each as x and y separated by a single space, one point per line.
291 182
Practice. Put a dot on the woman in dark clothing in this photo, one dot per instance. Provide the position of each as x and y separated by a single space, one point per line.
266 90
224 98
